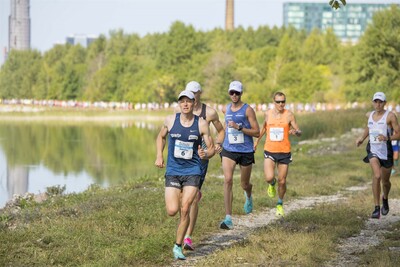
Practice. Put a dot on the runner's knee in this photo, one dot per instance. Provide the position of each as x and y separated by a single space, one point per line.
171 211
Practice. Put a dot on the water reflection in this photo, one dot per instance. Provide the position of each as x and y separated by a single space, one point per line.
17 180
36 156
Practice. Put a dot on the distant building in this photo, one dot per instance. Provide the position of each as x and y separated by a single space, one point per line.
82 39
19 23
5 53
229 15
348 23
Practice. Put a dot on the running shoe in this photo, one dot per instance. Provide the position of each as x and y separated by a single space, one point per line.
178 255
376 214
226 224
385 206
393 171
187 244
248 205
271 190
279 210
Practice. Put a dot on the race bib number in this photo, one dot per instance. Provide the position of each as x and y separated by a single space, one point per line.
183 150
276 134
373 136
235 136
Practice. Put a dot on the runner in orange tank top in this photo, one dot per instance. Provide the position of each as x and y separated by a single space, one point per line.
278 124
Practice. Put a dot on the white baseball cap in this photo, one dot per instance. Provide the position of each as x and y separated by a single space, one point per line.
186 93
380 96
193 86
235 86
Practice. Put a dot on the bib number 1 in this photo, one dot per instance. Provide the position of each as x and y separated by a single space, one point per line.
276 134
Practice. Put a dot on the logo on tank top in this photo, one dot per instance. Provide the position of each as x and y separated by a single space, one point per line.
176 135
193 137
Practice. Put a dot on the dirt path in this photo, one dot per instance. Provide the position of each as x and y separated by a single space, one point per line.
372 235
245 225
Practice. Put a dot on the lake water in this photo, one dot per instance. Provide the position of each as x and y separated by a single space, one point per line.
34 156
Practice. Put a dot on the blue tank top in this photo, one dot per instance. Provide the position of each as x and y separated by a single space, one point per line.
237 141
183 143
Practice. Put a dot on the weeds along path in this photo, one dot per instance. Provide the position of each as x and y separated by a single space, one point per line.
245 225
372 235
349 248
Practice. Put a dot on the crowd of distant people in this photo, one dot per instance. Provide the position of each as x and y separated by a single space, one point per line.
24 104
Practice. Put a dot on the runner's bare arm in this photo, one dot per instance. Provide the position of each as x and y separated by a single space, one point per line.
205 132
395 126
365 134
262 131
254 131
160 143
214 118
293 124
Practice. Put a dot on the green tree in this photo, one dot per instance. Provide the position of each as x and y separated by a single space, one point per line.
377 60
303 81
178 46
19 74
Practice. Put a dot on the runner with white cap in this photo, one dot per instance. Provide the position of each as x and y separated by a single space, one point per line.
382 127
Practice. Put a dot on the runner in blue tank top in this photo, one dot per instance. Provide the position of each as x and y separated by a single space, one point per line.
381 128
240 127
183 171
210 115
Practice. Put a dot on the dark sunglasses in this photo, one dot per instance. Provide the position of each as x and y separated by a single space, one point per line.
234 93
280 102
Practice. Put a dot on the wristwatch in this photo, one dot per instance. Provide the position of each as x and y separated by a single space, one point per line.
240 127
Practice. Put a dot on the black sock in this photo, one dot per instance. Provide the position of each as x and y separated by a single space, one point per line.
179 245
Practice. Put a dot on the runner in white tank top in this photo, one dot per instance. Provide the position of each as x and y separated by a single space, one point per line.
381 128
379 148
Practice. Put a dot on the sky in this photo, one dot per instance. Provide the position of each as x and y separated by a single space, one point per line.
53 20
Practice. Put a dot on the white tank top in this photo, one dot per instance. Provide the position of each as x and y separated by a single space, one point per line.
379 148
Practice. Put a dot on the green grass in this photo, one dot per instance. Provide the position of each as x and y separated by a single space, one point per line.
128 226
305 238
384 255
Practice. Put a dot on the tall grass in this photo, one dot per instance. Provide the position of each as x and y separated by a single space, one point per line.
330 123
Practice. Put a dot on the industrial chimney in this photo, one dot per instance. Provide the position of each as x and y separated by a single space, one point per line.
229 23
19 33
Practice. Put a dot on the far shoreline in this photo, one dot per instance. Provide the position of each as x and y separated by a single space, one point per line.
79 115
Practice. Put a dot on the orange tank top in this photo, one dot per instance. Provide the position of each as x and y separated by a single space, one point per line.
277 130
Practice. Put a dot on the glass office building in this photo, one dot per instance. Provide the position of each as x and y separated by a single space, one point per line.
348 23
82 39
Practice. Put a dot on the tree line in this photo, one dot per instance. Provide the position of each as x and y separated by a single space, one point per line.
314 67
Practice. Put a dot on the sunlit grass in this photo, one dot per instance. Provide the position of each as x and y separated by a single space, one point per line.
305 238
127 225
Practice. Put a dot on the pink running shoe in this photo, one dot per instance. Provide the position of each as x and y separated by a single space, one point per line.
188 245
